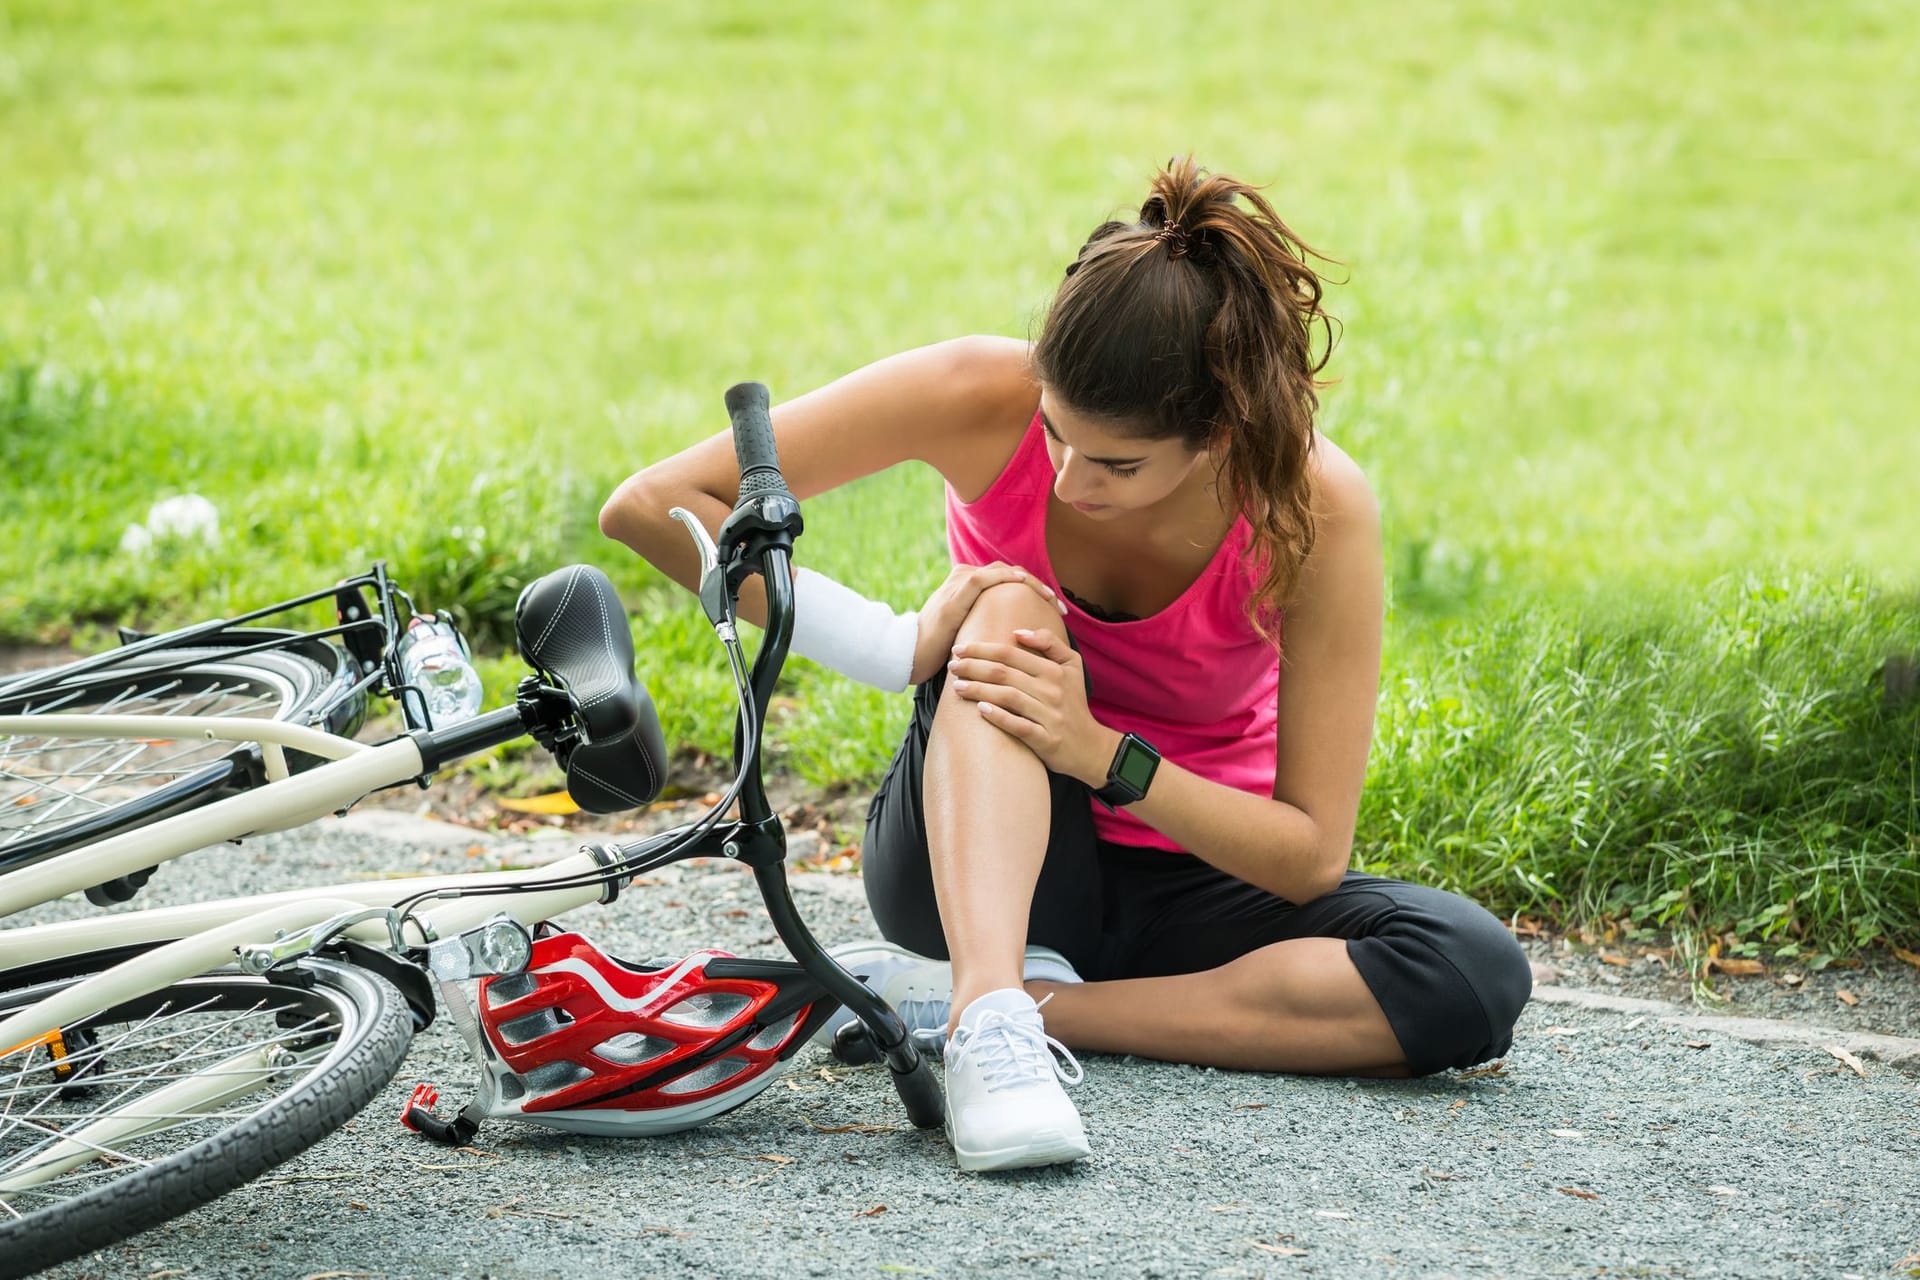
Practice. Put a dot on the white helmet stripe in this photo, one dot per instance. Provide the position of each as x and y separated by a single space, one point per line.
614 999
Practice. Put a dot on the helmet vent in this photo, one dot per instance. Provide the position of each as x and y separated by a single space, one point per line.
506 990
551 1077
708 1011
774 1034
542 1022
630 1048
708 1076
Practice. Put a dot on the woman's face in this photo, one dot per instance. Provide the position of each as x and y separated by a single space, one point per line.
1102 474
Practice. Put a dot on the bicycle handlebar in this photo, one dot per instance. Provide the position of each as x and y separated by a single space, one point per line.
747 405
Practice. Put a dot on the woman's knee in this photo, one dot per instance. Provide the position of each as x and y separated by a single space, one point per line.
1454 979
1001 609
1503 978
1494 965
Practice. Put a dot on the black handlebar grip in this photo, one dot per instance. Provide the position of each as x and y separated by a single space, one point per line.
753 445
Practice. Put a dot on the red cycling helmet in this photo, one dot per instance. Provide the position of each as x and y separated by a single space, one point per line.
587 1043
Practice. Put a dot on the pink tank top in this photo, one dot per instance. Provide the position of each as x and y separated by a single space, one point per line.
1196 680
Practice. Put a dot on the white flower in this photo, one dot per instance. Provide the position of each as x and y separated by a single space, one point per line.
187 517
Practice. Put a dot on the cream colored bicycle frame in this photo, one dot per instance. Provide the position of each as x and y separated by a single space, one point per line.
203 936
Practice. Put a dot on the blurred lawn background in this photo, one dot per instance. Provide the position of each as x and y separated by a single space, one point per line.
1629 321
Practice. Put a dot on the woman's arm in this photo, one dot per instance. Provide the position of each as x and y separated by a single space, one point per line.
1298 843
946 405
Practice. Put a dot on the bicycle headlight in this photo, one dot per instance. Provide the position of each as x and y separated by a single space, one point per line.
500 947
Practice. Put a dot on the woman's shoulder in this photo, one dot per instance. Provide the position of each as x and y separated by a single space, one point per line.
954 386
1344 568
988 384
1339 487
991 376
949 404
1343 506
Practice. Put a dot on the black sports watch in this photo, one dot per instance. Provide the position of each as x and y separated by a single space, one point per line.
1130 774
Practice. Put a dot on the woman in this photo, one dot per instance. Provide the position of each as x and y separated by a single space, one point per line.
1109 758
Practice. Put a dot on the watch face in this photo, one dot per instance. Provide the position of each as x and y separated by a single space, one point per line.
1136 767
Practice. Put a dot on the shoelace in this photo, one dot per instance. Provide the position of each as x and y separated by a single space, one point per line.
1013 1050
925 1012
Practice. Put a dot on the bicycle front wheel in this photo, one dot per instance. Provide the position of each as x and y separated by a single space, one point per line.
60 792
135 1115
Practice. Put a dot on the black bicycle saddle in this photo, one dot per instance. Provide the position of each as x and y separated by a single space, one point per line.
573 630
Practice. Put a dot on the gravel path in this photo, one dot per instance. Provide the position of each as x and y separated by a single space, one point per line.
1644 1141
1877 992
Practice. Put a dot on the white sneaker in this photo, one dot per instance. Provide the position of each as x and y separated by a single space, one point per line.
1005 1106
921 990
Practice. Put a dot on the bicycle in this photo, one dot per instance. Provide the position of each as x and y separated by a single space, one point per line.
271 1020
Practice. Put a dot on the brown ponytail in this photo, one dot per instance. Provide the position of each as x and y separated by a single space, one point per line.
1197 322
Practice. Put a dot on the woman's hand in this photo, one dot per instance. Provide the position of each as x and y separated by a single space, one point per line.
1036 691
948 606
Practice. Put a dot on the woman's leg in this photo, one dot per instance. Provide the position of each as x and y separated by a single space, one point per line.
1379 977
1296 1006
988 804
973 849
896 864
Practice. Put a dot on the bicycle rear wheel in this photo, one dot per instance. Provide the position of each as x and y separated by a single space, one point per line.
140 1113
60 792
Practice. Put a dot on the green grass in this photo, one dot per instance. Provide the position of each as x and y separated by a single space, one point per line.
1627 318
1724 765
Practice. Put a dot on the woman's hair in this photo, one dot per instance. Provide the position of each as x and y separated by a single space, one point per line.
1196 322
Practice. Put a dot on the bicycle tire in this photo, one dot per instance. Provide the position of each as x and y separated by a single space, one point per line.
353 1032
58 794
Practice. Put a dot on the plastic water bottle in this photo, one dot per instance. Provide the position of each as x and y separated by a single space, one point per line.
435 660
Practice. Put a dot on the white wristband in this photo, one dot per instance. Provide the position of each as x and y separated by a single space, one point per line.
841 629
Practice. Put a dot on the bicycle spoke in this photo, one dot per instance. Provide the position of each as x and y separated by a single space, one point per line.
163 766
125 1043
55 1136
152 1075
123 773
190 1042
49 781
176 1093
149 1020
69 797
112 1163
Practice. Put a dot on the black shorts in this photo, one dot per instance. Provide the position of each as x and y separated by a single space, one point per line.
1448 975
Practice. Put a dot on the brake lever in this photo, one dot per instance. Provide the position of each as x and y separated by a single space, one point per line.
713 582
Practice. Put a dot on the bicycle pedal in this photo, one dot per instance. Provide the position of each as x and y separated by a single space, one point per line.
418 1116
